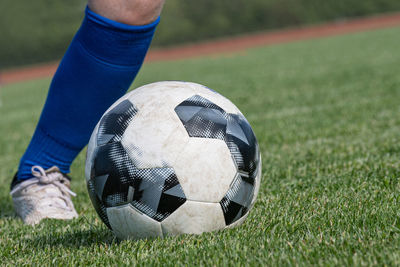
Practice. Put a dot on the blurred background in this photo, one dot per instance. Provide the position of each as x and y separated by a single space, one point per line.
39 31
325 112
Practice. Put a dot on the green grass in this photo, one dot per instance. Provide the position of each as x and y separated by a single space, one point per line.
326 114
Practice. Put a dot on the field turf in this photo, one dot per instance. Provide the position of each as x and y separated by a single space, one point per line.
326 114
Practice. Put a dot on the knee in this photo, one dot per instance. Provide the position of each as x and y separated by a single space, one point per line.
140 12
132 12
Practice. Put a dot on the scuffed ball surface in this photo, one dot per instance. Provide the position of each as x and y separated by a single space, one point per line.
172 158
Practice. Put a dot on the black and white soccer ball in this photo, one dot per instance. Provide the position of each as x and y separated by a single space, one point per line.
171 158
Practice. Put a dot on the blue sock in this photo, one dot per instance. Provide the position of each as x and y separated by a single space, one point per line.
97 69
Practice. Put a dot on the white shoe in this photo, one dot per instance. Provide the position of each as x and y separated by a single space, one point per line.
45 195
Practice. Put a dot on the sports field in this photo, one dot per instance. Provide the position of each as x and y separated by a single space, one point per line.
327 116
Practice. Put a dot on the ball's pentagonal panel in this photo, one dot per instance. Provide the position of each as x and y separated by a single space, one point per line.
243 145
238 222
202 118
255 193
114 123
116 181
90 153
216 98
154 138
97 203
127 222
257 183
238 199
108 131
205 169
244 148
194 218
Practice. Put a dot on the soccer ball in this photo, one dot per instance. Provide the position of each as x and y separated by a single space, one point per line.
170 158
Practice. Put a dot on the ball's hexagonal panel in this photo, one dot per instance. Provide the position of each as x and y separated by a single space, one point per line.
202 118
194 218
128 223
172 92
154 138
205 169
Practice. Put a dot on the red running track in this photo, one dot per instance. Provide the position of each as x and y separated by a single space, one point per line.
228 45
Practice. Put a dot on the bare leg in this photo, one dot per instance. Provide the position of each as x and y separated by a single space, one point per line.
132 12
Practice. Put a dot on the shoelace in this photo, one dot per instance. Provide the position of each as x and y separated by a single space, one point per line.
54 178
